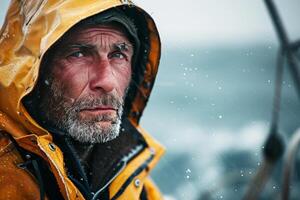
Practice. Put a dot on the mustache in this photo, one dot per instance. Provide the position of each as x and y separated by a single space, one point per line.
91 101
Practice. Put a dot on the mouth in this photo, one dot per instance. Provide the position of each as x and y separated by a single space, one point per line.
99 110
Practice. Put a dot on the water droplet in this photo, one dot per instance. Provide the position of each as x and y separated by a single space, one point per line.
47 82
220 116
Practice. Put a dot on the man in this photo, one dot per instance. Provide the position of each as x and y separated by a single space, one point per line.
75 77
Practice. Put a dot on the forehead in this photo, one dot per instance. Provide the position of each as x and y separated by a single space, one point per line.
94 33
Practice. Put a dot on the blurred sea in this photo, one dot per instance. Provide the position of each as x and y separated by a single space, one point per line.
211 107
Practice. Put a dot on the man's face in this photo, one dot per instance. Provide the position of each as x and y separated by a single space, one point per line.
89 76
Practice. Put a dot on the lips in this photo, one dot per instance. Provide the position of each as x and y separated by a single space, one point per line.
99 108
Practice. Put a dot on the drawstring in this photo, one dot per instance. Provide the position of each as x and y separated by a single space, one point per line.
37 174
39 178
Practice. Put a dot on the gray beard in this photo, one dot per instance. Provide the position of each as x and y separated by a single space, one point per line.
64 114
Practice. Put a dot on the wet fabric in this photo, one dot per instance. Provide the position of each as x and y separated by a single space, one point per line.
30 29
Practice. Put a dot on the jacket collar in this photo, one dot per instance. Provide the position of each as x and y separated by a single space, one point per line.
139 158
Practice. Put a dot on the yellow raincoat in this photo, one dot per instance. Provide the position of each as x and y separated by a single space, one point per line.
29 30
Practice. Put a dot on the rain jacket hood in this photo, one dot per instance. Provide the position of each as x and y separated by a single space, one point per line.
29 30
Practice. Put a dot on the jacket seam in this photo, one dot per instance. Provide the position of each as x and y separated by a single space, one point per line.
7 149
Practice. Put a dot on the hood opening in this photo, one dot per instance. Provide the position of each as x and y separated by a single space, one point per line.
140 59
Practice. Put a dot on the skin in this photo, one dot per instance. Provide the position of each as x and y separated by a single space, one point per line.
93 61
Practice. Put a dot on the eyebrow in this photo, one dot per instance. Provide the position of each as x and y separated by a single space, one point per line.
81 46
122 46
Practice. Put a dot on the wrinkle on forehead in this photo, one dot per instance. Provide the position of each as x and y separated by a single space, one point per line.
104 37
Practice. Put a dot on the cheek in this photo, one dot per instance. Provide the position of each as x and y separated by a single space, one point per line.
73 80
123 78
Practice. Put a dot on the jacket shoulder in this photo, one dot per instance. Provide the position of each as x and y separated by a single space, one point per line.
15 182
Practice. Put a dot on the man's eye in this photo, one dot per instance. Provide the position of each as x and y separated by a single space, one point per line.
117 55
77 54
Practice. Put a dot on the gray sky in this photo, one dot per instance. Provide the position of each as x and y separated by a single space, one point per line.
214 21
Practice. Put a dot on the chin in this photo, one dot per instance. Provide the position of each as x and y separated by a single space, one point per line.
104 124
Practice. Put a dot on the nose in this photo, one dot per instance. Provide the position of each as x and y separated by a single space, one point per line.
101 77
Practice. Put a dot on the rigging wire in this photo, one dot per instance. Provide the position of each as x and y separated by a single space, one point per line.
274 147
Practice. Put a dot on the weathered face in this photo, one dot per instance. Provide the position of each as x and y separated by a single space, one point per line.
89 76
